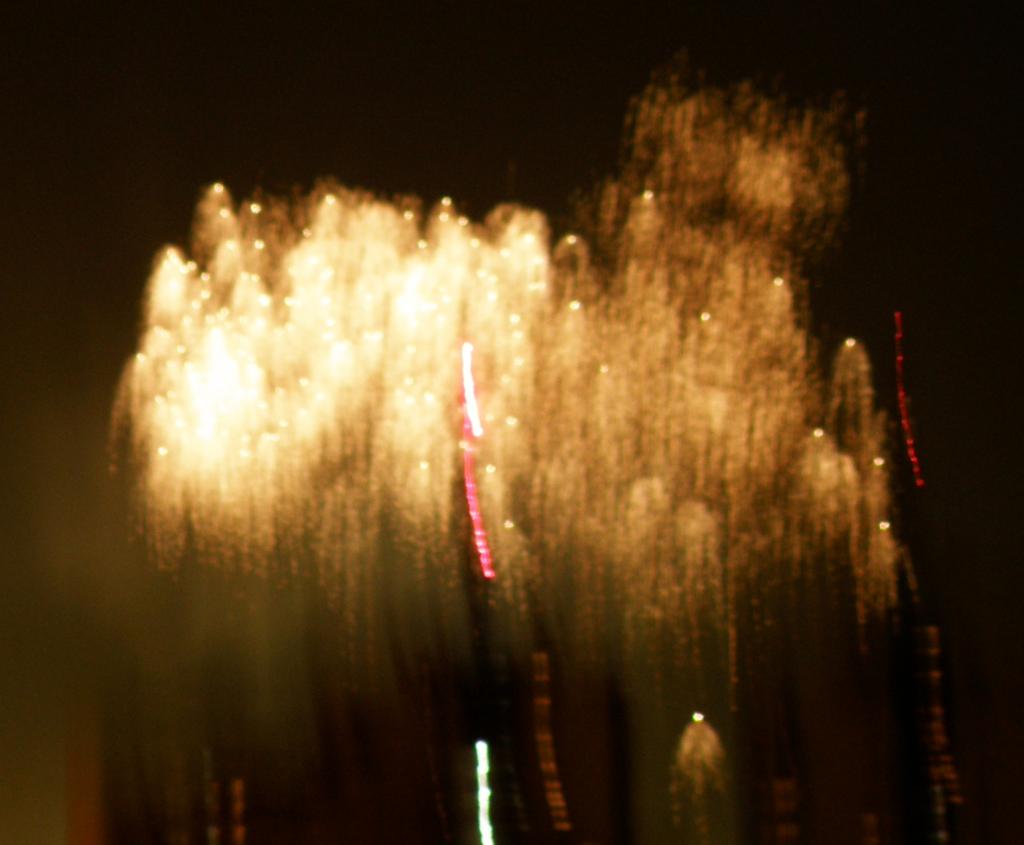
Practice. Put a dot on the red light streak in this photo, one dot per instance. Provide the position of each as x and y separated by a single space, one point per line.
471 428
901 395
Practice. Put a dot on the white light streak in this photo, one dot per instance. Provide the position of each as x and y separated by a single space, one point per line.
483 794
472 409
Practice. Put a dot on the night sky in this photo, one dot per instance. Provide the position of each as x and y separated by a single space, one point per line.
111 125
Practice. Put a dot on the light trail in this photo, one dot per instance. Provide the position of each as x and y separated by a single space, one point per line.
471 427
904 405
483 794
469 390
558 810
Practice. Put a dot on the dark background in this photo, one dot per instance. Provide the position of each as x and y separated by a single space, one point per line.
111 124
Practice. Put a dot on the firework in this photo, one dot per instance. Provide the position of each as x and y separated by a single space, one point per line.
697 771
672 488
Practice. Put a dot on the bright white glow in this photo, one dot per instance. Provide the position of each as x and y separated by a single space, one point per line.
698 716
469 390
483 794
